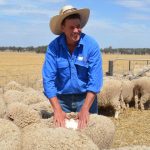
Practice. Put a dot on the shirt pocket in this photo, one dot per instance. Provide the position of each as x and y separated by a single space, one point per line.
63 68
82 70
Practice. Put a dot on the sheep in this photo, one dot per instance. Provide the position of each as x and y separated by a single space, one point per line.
101 130
21 114
142 92
32 96
13 86
44 108
126 93
28 97
39 85
29 89
49 122
43 138
2 107
10 136
110 95
11 96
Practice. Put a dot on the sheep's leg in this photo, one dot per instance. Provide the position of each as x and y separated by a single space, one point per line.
142 102
117 111
127 105
122 103
142 106
136 101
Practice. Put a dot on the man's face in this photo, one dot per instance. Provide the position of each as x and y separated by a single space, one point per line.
72 30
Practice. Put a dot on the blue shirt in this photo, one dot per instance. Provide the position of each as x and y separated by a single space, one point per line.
80 72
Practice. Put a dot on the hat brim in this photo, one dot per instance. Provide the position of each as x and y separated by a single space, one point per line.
55 22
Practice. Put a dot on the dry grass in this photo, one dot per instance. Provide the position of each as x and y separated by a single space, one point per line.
21 60
24 68
132 128
12 63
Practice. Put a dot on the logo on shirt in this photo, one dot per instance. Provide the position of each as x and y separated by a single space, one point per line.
81 58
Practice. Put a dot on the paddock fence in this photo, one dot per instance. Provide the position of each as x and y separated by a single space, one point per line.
123 66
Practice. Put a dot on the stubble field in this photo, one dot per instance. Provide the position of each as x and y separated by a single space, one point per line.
133 126
29 65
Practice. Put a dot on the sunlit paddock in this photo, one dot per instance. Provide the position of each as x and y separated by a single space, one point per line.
25 66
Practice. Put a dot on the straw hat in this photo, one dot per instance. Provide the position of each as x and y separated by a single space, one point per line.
55 22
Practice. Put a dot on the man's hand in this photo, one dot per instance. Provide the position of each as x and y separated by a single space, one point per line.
83 117
59 118
59 114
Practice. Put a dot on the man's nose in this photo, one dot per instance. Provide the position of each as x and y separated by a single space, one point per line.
76 30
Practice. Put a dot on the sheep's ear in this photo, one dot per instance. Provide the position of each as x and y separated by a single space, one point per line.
11 119
8 117
45 114
35 109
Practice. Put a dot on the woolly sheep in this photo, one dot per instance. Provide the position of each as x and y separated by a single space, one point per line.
44 108
32 96
2 107
29 89
28 97
21 114
126 93
39 85
110 95
10 136
11 96
48 122
69 123
100 129
13 86
55 138
141 91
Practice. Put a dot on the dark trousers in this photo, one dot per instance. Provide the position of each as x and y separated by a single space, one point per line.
74 102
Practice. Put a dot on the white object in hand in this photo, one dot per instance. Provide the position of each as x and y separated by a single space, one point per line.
71 123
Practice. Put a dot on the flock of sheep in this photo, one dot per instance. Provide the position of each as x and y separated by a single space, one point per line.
26 123
120 93
26 118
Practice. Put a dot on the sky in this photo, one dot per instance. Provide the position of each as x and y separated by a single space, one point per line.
115 23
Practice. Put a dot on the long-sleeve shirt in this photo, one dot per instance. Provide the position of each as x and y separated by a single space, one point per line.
80 72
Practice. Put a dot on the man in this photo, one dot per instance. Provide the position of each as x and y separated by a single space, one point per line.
72 71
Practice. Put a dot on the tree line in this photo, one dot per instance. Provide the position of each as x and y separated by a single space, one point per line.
109 50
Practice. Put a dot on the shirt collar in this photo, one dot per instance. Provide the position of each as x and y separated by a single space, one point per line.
80 43
62 40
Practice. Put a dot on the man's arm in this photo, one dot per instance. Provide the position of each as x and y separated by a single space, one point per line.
49 75
83 115
95 75
59 114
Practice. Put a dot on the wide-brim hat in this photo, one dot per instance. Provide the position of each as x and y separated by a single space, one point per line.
55 22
